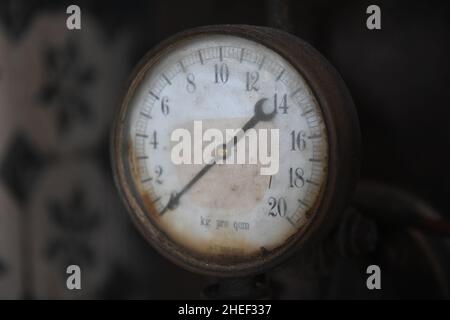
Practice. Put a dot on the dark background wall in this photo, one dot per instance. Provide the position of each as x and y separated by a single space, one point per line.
59 89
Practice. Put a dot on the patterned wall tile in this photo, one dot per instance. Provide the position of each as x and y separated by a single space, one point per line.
69 82
77 219
10 213
11 275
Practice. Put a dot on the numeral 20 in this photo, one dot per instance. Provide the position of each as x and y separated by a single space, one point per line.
277 207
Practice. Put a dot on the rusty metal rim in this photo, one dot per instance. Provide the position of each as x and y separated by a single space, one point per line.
343 149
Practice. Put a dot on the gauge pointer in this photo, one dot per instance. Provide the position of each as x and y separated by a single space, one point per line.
259 115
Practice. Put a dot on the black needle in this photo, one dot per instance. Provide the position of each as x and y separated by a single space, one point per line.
259 115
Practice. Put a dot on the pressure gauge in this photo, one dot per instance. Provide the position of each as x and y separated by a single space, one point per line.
263 90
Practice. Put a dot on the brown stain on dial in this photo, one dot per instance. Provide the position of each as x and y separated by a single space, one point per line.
225 186
147 199
238 186
226 247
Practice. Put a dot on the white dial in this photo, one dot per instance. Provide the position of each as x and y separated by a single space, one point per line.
234 146
232 210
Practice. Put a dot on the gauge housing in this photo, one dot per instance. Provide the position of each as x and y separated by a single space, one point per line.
342 126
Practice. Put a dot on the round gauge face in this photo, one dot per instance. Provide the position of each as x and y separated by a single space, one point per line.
224 148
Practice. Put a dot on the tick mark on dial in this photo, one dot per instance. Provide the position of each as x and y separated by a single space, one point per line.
281 74
302 202
167 79
182 66
270 181
315 160
290 221
220 54
312 182
262 62
154 95
307 111
295 92
241 58
146 115
200 56
141 135
146 180
142 157
315 136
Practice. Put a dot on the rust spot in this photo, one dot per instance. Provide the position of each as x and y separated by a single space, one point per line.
149 203
147 200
